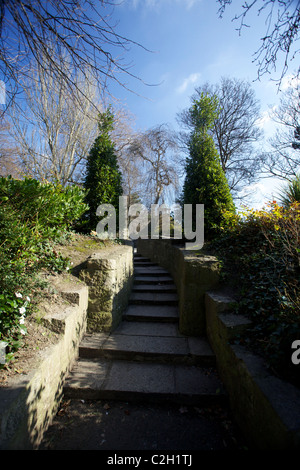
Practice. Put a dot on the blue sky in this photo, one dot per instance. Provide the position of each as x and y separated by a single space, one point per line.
190 45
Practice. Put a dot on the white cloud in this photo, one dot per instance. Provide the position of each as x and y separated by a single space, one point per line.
267 123
190 3
266 117
289 81
154 4
190 80
260 193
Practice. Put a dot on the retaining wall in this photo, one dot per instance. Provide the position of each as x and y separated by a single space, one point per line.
29 403
109 276
266 408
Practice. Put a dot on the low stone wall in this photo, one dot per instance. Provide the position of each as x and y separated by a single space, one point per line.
109 276
29 403
266 408
193 275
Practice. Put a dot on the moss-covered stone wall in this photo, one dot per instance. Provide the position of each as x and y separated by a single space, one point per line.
109 276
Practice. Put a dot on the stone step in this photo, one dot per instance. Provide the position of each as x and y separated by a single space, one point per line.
153 298
151 313
148 343
155 288
158 329
138 263
146 358
151 382
153 280
150 271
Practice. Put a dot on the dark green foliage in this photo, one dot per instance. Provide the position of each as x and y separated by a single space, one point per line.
34 216
103 180
205 181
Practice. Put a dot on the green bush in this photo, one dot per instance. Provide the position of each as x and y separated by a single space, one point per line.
34 216
262 254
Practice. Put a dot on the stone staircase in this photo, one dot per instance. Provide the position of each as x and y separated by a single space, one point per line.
146 358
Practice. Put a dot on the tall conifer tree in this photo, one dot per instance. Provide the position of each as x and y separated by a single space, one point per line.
205 181
103 179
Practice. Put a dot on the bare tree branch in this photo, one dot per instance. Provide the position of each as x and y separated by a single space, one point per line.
55 132
283 160
282 31
157 150
234 131
80 30
8 151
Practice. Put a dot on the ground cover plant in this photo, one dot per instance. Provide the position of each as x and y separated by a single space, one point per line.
34 217
260 256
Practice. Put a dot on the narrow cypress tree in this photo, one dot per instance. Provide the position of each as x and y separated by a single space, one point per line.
205 181
103 180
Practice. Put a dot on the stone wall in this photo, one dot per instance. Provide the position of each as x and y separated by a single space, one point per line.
109 276
29 402
193 275
266 408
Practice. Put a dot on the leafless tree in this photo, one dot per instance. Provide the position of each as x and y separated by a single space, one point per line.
132 173
282 30
156 153
235 130
283 160
81 30
55 132
8 151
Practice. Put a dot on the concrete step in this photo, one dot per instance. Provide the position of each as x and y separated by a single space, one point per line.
141 262
155 288
153 298
146 358
132 381
148 342
158 329
153 280
151 271
151 313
